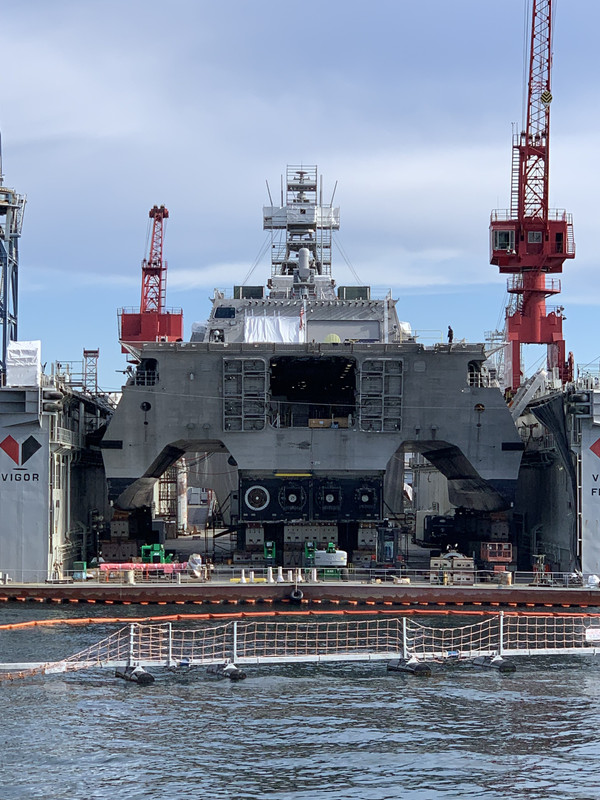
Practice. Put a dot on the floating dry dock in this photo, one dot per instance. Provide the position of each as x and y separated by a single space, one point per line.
317 594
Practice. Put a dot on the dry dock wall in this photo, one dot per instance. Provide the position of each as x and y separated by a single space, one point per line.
24 499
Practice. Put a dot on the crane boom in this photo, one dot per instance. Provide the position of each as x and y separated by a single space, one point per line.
532 179
530 240
154 269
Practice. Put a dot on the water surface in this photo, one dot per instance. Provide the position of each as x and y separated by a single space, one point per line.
294 732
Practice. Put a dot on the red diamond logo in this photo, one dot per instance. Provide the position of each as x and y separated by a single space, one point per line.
11 448
595 448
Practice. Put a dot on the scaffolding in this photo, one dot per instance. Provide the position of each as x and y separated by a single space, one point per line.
302 221
12 206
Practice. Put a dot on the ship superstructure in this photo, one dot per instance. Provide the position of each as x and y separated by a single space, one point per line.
300 303
305 397
302 222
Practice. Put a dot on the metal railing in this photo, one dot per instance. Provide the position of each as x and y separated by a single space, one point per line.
554 215
159 574
136 310
145 377
66 437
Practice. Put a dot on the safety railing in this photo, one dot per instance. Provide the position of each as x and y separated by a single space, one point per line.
160 574
554 215
145 377
66 437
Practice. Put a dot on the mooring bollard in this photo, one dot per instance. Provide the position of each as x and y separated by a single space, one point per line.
251 576
243 576
299 576
289 576
280 575
270 575
313 575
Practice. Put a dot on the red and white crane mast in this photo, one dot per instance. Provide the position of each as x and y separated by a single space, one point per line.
152 322
154 269
530 241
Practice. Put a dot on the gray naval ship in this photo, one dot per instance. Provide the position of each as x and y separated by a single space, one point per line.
305 397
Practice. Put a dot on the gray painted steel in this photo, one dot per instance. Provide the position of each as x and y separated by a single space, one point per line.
306 382
590 493
24 497
466 431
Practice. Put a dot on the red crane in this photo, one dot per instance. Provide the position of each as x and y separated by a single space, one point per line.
154 269
152 322
530 241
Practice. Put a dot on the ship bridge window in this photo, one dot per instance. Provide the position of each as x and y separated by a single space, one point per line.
475 378
312 392
147 372
504 240
225 312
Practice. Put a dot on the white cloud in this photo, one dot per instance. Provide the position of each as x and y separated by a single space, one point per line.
112 107
209 277
46 278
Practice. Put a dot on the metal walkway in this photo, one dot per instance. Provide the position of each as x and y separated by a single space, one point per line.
280 642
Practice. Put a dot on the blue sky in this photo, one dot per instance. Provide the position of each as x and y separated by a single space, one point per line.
111 107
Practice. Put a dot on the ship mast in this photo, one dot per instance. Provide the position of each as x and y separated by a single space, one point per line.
531 241
301 236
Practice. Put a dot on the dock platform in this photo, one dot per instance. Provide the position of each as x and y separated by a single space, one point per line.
321 594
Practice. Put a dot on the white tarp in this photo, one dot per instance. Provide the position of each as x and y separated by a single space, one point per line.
283 330
24 364
301 214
